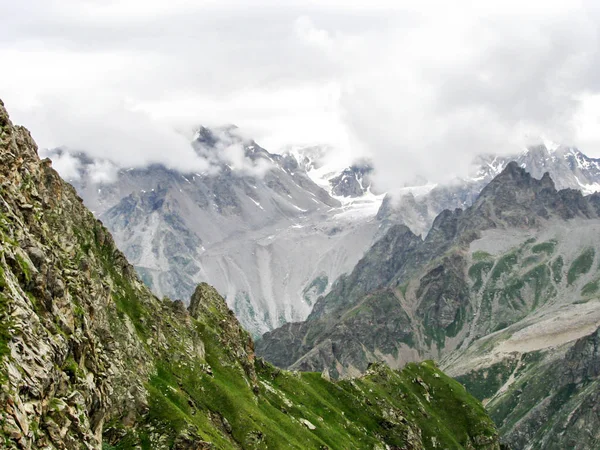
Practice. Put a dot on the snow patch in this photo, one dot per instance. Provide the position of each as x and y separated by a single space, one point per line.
256 203
588 189
551 146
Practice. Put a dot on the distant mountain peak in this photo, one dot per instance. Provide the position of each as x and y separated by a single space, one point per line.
212 135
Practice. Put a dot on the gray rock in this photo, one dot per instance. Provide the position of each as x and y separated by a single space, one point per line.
37 256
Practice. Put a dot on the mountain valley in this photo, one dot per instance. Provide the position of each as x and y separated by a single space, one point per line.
497 294
484 290
90 358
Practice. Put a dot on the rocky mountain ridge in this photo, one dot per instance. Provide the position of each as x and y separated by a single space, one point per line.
417 208
240 229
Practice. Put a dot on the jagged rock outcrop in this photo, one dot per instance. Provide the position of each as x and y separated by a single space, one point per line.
352 182
89 358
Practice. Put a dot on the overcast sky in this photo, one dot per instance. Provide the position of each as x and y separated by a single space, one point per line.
420 89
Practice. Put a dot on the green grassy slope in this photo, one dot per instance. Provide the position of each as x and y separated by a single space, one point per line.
247 403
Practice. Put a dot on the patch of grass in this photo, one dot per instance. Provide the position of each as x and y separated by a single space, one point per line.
544 247
557 268
484 383
532 259
2 277
539 279
510 295
590 288
403 287
478 271
71 368
5 324
24 266
581 265
504 265
480 255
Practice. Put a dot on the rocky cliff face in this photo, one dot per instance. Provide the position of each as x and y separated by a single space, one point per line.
354 181
89 358
499 293
71 358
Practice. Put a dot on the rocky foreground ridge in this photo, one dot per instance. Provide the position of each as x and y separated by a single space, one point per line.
89 358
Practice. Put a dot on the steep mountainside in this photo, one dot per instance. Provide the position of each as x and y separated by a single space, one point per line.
499 293
89 358
237 228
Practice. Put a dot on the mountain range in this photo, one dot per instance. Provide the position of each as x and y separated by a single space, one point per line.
242 231
90 358
493 276
568 166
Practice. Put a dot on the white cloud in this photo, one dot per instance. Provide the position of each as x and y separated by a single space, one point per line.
102 172
419 87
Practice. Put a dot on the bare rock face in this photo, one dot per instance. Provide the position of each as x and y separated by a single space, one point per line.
582 362
352 182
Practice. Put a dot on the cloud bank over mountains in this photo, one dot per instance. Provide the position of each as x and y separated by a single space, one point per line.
418 89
